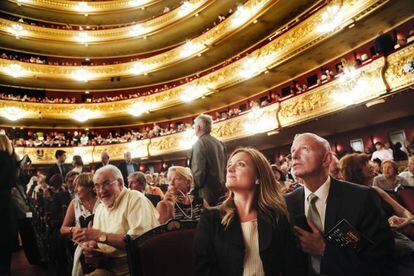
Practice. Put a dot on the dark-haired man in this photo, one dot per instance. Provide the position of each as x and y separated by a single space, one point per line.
59 168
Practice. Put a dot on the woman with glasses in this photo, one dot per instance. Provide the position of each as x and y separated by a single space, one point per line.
178 203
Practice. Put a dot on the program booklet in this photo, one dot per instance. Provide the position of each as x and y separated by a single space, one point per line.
345 235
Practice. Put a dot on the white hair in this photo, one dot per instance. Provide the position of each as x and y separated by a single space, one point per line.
321 141
205 122
115 172
105 153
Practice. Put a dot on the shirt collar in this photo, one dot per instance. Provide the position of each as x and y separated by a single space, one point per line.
322 192
118 199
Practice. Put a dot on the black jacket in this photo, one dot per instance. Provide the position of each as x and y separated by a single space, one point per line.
219 251
123 168
54 169
361 207
208 165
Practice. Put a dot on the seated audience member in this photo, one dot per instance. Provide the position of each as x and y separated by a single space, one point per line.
357 169
138 182
153 190
334 169
376 166
401 39
77 164
383 44
178 203
399 154
80 212
389 180
326 201
280 177
381 153
408 174
60 200
122 211
249 233
69 179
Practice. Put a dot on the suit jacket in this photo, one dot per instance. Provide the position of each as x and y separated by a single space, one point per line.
123 168
220 251
208 165
54 169
99 165
361 206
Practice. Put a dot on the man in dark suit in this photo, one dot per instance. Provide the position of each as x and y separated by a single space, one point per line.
59 168
208 162
127 167
105 157
325 201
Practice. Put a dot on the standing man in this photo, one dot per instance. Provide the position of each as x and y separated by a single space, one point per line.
127 167
59 168
104 160
326 201
208 162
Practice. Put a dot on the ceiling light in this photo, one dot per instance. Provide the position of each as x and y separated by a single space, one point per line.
249 68
12 113
192 92
375 102
138 29
188 138
135 3
15 70
138 68
82 74
83 38
17 30
331 19
83 7
190 48
185 8
83 114
241 15
138 108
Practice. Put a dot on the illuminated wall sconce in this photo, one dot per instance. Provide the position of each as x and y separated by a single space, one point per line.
331 18
185 8
83 114
138 108
241 15
138 29
190 48
192 92
83 38
139 68
82 74
15 70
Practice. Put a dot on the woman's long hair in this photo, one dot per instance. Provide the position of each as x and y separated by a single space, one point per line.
270 200
351 167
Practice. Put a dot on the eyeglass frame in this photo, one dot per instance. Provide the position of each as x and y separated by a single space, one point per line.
99 187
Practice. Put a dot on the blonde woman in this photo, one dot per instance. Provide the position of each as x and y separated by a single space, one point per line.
249 234
178 203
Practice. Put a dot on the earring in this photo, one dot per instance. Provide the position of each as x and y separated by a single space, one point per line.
256 182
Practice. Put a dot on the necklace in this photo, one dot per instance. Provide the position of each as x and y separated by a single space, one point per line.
88 205
184 213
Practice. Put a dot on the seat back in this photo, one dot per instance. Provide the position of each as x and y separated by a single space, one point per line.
407 197
164 250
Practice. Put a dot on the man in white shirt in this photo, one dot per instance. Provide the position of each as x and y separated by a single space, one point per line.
122 211
326 201
381 153
409 173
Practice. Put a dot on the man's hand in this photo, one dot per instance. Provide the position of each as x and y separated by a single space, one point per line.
81 235
396 221
92 253
311 242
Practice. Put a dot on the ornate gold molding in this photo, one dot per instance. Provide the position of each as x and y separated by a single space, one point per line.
98 36
296 40
91 7
308 105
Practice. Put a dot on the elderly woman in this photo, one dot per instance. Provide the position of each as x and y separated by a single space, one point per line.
389 180
356 168
249 233
178 203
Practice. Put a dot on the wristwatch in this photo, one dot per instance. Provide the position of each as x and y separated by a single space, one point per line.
102 237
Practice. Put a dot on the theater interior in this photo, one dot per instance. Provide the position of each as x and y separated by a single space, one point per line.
113 76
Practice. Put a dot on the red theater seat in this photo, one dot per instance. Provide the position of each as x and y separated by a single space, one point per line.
407 198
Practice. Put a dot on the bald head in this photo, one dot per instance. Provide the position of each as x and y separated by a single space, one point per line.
311 158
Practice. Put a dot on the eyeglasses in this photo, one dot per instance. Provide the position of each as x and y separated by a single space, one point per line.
104 185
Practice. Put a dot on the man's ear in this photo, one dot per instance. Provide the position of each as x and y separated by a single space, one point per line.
327 159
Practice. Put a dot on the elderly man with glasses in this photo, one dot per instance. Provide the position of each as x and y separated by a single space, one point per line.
122 211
